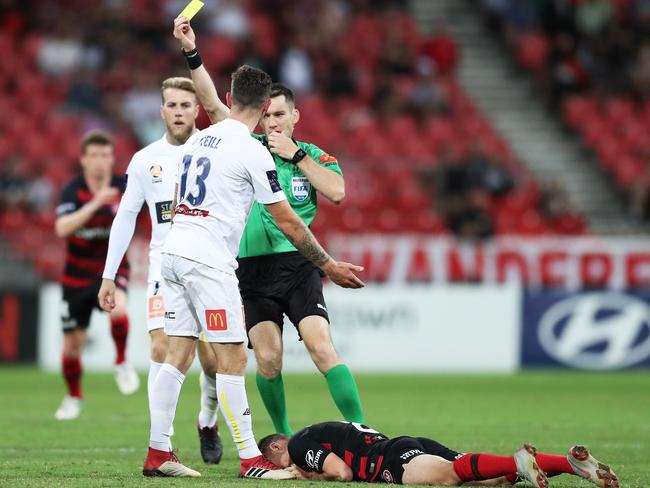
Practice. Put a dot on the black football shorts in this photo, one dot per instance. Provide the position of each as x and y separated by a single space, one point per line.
400 451
280 284
78 304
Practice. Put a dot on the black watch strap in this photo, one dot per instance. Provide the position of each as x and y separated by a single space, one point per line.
299 156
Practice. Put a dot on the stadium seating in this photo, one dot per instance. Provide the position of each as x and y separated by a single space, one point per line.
610 114
382 156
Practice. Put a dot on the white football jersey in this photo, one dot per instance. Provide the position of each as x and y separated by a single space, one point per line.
151 178
222 171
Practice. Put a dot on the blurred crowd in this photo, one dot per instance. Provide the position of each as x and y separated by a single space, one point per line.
591 61
372 89
601 46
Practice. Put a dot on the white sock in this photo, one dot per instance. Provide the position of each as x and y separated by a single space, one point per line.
162 405
154 367
209 404
233 403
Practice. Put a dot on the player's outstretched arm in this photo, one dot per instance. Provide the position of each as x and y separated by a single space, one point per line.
300 236
334 469
68 224
330 184
205 89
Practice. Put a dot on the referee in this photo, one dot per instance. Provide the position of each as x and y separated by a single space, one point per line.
274 278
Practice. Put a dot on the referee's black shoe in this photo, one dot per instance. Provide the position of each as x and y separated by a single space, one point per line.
211 448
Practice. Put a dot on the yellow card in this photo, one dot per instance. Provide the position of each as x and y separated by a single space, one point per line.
191 9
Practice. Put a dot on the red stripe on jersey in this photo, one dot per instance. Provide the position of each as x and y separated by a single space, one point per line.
78 241
362 467
77 282
84 196
327 445
377 468
348 458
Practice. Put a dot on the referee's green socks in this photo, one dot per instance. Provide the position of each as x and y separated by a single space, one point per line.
272 393
344 392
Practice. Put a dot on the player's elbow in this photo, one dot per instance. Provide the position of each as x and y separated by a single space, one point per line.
61 230
344 474
338 196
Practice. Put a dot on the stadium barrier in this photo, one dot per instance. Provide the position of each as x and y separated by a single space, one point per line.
558 302
414 328
18 325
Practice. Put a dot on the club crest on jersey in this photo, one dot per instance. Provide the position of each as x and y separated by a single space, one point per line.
156 173
387 476
300 188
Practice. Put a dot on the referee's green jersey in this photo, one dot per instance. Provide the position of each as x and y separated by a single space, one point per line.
261 235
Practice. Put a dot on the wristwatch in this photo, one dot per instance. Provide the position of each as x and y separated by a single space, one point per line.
299 156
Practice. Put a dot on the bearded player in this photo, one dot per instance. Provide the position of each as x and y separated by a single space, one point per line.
151 178
84 216
343 451
274 278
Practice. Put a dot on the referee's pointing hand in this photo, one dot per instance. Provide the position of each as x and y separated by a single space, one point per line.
343 275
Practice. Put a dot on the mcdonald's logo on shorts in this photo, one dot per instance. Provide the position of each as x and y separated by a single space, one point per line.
216 320
156 307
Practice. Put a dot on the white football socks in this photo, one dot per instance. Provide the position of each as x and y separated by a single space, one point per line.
233 403
209 404
162 405
154 367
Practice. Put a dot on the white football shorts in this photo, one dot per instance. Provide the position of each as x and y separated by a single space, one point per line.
155 306
199 298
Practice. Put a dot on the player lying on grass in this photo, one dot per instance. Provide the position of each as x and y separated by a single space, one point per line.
344 451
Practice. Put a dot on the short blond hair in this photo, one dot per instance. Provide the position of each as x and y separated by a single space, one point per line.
178 82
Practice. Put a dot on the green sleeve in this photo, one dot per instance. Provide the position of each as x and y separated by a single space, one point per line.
322 158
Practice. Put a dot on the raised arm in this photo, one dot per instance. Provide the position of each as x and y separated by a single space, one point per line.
205 89
300 236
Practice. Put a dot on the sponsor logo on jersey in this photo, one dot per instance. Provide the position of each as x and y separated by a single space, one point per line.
597 331
272 175
155 307
95 233
183 209
322 307
156 173
326 158
300 188
170 315
410 454
216 320
164 212
387 476
309 459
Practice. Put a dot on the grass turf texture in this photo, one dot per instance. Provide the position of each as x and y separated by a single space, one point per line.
107 445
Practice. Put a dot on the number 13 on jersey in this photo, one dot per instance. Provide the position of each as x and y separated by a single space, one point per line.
197 189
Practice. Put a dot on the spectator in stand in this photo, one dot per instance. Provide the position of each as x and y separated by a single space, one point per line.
295 67
592 16
567 74
13 186
441 49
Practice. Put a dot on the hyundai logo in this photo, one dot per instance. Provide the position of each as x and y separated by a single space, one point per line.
597 331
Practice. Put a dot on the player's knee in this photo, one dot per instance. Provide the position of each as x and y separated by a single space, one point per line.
324 356
158 348
232 361
269 363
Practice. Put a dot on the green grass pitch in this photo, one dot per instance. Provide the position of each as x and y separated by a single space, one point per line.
107 445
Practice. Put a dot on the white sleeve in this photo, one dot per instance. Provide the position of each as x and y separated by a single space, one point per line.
133 197
118 242
264 178
124 223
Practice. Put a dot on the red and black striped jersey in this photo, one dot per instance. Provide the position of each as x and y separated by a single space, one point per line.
87 247
359 446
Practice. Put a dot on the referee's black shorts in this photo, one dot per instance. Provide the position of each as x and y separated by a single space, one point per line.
275 285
